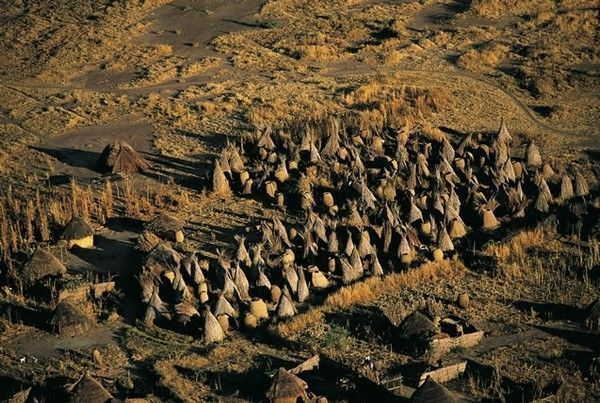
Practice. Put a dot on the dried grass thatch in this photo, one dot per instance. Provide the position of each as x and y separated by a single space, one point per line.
432 392
77 228
166 226
147 241
533 158
89 390
213 332
69 320
285 307
287 387
417 324
120 157
220 184
41 265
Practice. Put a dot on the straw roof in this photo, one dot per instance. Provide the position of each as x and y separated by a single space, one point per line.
417 324
164 225
89 390
287 386
581 186
161 258
68 319
432 392
77 228
213 332
285 307
503 133
533 157
120 157
146 241
220 184
42 264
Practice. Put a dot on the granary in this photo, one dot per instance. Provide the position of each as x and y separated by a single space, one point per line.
69 320
120 157
167 227
213 332
79 233
432 392
42 265
287 388
89 390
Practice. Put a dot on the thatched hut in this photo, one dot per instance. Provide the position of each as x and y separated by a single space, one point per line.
213 332
78 232
89 390
69 320
120 157
416 328
432 392
167 227
41 265
162 258
287 388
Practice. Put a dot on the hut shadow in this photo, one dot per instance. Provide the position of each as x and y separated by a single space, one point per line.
574 334
364 322
187 173
122 224
110 256
551 311
26 316
72 156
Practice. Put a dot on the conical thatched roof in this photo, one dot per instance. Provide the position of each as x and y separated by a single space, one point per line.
287 386
161 258
417 324
146 241
581 186
120 157
89 390
503 133
213 332
220 184
533 158
285 307
164 225
42 264
432 392
77 228
69 320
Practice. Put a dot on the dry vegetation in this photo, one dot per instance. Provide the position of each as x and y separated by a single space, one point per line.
426 66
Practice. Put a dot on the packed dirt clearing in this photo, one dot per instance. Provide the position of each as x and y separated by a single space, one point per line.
291 200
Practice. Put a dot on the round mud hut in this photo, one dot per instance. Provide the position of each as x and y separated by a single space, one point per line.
89 390
42 265
78 232
167 227
120 157
287 388
69 320
432 392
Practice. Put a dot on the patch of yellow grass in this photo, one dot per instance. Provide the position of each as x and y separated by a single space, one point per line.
502 8
485 59
513 254
169 377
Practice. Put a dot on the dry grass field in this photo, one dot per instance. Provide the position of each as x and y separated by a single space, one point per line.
232 110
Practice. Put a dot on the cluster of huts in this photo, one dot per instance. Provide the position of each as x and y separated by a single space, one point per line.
358 204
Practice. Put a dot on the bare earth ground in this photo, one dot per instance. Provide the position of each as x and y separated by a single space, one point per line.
179 79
